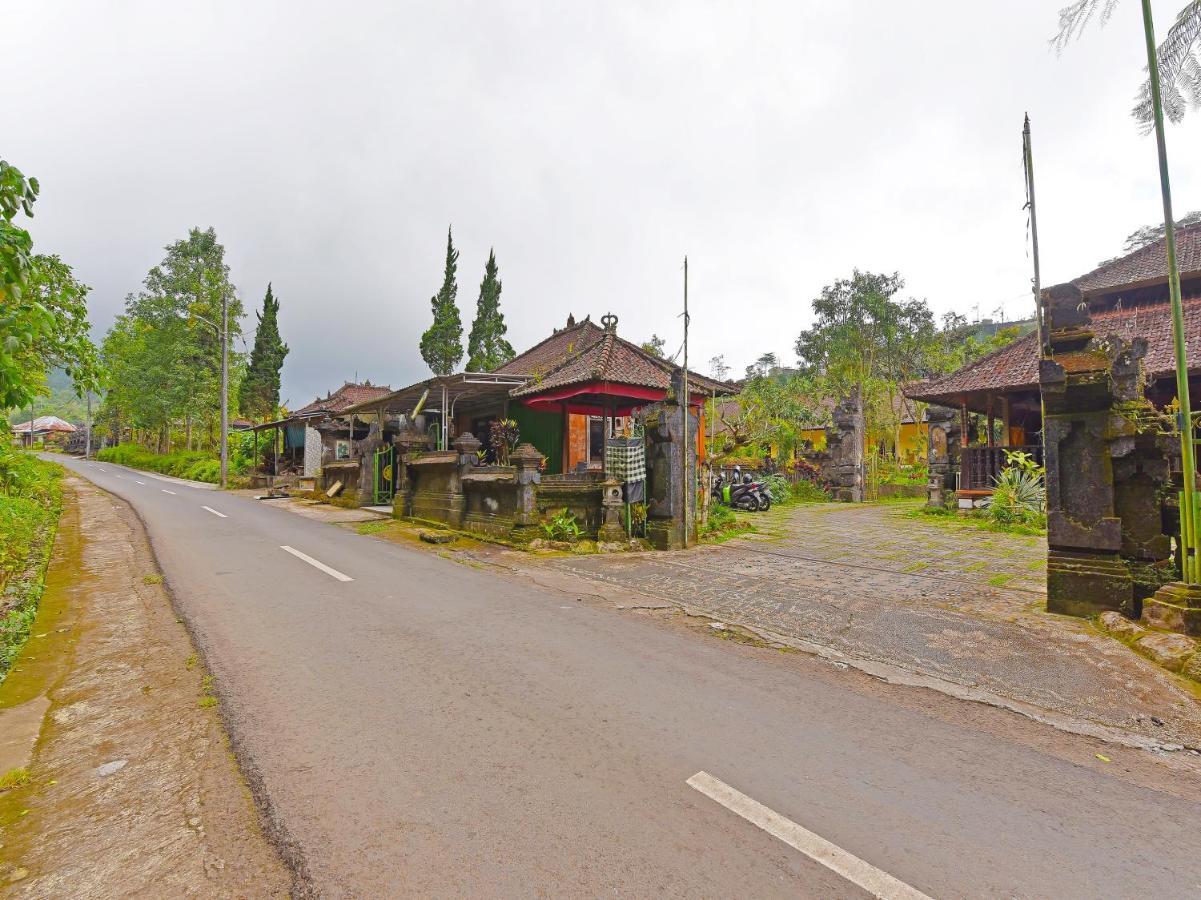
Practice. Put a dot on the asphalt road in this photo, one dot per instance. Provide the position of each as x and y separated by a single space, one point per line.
427 728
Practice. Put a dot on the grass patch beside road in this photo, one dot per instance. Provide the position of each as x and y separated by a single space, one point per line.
31 503
956 520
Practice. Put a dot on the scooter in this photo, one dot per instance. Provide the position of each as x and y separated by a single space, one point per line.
737 491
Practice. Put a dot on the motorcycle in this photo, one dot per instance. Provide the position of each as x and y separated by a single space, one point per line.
740 491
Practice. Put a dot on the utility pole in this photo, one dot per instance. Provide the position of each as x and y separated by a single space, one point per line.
1028 161
1188 497
687 417
87 438
224 389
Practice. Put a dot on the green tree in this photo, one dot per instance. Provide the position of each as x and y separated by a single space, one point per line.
487 348
43 307
170 328
259 396
655 346
865 344
442 343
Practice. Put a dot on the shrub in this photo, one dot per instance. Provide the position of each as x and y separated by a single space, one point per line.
563 527
193 465
1019 496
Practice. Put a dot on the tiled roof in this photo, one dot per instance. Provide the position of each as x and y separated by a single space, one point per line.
347 395
552 351
1015 365
1146 265
616 360
44 423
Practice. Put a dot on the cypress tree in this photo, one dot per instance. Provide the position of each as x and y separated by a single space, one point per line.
259 397
442 343
487 348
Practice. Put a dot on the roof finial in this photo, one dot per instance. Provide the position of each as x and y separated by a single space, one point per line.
570 320
609 321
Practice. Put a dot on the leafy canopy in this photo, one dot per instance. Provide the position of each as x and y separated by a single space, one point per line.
43 307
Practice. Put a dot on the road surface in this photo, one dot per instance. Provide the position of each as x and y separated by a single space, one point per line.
415 726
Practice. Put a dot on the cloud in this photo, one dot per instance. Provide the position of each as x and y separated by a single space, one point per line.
592 145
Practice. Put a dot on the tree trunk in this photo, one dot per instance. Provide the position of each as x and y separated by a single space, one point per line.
858 490
187 427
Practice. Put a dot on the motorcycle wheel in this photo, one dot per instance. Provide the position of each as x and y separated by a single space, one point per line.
764 502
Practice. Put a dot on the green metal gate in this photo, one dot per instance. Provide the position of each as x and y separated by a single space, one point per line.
385 476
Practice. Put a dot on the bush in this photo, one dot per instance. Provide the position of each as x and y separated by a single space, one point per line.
193 465
563 527
1019 496
805 491
30 505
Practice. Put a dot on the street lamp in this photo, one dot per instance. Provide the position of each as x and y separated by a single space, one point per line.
223 335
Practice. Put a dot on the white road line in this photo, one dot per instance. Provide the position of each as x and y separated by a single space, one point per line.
316 564
165 491
214 512
876 882
135 481
120 476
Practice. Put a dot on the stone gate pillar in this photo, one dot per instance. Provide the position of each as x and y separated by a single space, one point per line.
1085 573
942 454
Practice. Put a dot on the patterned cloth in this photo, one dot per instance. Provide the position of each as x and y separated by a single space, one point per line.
625 460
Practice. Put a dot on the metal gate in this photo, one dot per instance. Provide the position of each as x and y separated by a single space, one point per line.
385 476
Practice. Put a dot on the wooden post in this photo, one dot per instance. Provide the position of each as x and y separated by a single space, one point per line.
991 423
963 441
566 438
1006 417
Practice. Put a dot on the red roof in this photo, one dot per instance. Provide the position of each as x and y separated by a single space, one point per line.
346 396
1147 265
1015 366
554 350
617 361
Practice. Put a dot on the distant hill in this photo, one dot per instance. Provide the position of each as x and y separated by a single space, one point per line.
60 402
986 328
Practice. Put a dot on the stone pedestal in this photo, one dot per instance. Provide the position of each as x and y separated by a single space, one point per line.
1176 607
665 422
526 459
611 530
409 444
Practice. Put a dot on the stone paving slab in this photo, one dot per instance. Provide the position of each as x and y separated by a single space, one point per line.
953 601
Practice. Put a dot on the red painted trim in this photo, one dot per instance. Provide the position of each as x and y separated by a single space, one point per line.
551 401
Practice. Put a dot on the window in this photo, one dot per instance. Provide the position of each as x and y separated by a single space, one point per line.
342 450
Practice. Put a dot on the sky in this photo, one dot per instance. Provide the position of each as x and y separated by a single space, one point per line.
778 145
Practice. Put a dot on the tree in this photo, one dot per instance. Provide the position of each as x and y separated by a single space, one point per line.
864 345
170 327
718 368
43 307
655 346
1149 234
1179 57
259 396
763 366
442 343
487 349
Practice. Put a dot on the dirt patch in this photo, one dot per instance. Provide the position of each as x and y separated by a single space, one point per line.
132 787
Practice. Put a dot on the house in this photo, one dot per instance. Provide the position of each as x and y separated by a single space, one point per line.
43 429
574 397
315 434
992 406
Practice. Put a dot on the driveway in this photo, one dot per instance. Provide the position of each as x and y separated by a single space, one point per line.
930 597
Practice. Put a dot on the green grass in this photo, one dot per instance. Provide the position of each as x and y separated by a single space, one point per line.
14 778
954 519
152 579
1000 580
30 506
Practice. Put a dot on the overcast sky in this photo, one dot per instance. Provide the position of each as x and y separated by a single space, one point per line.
779 145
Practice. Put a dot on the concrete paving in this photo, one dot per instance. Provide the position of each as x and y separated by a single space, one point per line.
937 598
435 729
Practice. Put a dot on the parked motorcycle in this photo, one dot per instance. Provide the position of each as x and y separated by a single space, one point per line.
740 491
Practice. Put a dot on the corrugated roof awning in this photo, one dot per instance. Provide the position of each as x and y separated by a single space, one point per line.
473 387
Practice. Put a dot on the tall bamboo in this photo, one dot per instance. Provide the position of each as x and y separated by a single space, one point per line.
1184 416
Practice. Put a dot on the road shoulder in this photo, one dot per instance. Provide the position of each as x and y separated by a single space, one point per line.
132 787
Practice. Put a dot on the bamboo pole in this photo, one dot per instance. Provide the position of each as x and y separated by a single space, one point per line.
1184 420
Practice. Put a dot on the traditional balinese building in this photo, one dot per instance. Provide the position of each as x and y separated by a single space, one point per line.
316 434
42 430
993 404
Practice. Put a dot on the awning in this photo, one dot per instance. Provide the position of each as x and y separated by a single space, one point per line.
468 387
602 398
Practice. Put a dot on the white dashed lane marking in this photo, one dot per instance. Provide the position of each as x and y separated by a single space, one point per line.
214 512
165 491
876 882
316 564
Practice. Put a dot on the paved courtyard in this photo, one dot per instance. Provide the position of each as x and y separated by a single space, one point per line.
932 597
